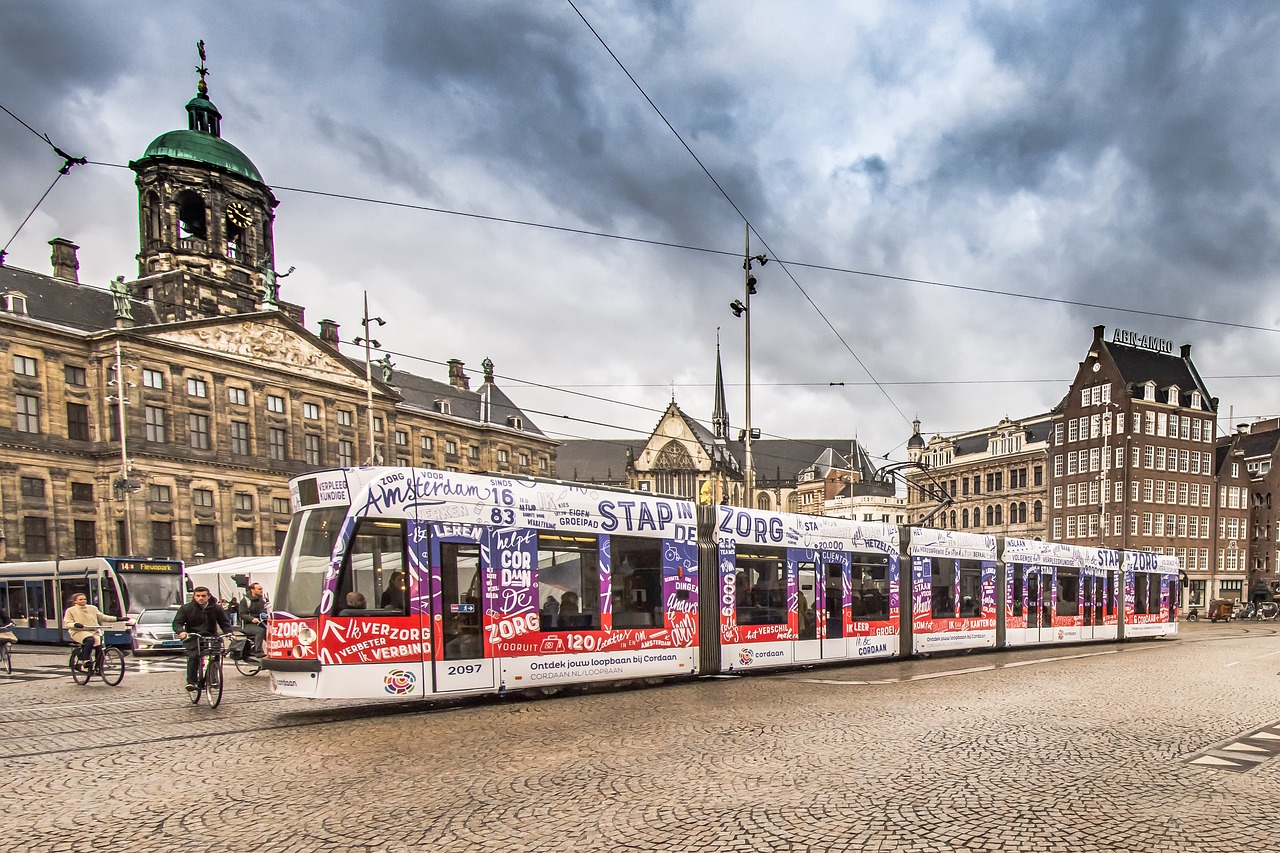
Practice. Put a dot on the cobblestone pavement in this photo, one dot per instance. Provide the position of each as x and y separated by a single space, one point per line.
1073 749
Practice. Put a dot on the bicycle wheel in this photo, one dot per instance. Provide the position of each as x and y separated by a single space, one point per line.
248 666
79 674
6 659
112 671
213 680
195 694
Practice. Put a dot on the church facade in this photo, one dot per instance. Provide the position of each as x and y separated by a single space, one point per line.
165 416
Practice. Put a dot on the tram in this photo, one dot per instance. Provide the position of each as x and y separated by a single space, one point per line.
36 593
404 582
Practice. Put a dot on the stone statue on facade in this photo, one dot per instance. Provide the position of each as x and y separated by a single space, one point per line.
120 296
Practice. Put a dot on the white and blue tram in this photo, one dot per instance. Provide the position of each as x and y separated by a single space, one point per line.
36 593
407 582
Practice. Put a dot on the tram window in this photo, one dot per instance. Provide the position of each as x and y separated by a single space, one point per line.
462 605
806 597
1015 595
305 559
78 586
943 573
870 590
1068 593
760 587
17 600
1153 591
375 568
1139 592
635 582
569 582
970 588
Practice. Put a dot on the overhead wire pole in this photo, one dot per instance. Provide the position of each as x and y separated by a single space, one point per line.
368 375
749 282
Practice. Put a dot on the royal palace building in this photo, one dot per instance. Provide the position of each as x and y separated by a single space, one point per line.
165 416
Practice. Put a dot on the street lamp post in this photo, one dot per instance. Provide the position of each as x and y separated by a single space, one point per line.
368 375
742 308
124 483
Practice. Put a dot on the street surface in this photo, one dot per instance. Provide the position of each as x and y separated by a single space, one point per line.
1164 745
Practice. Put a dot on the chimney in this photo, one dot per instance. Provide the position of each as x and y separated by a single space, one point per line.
1186 352
329 333
458 376
65 262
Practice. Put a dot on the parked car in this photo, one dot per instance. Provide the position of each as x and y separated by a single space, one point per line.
153 631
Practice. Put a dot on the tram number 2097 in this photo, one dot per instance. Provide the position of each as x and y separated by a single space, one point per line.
465 669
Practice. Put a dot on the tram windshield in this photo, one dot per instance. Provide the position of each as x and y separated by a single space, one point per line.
308 549
145 590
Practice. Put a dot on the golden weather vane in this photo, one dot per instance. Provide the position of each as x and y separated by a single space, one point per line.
203 88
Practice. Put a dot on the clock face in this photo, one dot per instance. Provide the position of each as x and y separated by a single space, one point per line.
238 214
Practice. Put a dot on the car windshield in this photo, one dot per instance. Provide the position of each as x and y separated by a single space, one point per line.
157 617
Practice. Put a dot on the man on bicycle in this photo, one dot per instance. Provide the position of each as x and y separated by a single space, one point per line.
84 620
200 617
253 619
6 628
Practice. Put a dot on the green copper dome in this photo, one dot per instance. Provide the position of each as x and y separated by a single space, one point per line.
202 142
202 147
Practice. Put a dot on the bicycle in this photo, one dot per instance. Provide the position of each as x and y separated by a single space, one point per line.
107 662
209 680
6 657
241 654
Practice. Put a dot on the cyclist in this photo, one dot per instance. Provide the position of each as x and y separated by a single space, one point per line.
7 637
82 619
253 619
202 616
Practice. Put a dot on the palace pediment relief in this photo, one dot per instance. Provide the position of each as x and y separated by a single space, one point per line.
261 343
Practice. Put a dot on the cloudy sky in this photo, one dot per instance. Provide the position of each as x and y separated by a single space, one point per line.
953 194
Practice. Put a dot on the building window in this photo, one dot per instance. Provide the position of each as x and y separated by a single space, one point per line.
244 542
197 388
280 506
344 417
402 438
155 423
199 432
162 539
473 453
275 403
237 396
31 487
24 365
311 449
86 538
77 422
377 423
240 438
202 497
502 457
206 536
161 494
524 460
346 453
82 492
74 375
35 535
515 422
311 411
26 413
244 501
152 379
426 443
450 447
276 444
542 464
403 461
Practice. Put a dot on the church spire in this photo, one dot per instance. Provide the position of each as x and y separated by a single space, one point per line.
720 414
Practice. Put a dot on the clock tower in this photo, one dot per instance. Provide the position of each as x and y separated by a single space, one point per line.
205 222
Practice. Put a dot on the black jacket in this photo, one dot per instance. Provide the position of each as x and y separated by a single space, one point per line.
251 608
195 619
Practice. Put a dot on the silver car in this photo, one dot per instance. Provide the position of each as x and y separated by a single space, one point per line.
153 631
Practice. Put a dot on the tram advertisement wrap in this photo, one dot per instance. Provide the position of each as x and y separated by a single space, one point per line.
291 638
397 639
606 665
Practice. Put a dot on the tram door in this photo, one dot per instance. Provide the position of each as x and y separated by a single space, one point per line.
834 643
1039 604
808 605
458 659
1092 604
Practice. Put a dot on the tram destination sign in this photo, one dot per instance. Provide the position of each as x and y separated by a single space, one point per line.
1133 339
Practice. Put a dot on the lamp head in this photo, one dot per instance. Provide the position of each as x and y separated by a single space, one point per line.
737 307
751 284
